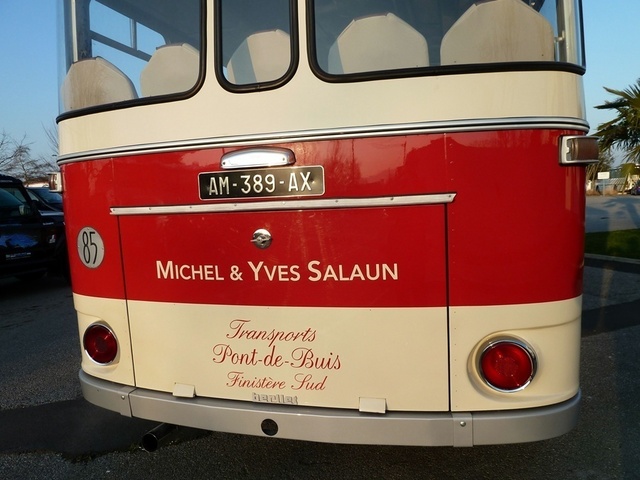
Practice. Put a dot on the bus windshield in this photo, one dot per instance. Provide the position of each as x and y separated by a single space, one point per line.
136 51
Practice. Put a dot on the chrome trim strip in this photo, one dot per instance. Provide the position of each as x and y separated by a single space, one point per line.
277 205
451 126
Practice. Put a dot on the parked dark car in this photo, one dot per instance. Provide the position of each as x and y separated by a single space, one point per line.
635 190
31 243
45 199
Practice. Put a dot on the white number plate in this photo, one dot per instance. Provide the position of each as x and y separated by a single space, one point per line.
262 182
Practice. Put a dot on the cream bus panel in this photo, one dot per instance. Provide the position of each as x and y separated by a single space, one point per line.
113 314
556 345
409 103
361 356
325 357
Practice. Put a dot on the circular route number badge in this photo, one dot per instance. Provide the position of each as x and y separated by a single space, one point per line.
90 247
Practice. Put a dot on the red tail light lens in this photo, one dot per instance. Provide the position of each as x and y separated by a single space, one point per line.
100 344
507 365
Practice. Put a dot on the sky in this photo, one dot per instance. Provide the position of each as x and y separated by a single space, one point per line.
29 73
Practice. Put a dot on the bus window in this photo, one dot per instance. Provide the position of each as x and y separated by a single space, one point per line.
255 41
431 36
390 43
498 31
122 50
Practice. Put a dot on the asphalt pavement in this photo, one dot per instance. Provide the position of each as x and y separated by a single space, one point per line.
612 212
611 296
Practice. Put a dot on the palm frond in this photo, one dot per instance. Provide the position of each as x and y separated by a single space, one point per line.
624 130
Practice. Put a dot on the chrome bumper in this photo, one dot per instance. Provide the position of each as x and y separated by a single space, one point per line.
336 425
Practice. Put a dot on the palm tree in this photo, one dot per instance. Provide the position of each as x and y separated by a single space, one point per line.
623 131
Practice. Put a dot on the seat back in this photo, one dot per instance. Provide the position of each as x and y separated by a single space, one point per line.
172 68
378 42
262 57
498 31
95 81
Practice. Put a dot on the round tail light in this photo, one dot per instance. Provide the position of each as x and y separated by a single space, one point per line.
507 365
100 344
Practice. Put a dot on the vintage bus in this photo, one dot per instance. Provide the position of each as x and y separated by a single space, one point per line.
349 221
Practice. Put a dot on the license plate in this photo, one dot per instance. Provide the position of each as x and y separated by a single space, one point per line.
262 182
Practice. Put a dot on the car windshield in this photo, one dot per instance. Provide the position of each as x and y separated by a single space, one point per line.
47 195
12 203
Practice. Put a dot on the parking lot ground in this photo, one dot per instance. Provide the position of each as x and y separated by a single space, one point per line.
612 212
611 298
74 428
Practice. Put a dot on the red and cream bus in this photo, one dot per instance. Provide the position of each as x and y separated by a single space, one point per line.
342 221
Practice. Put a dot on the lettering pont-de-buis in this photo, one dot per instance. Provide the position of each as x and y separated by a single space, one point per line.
313 271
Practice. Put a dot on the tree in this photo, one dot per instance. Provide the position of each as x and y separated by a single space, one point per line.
16 160
630 170
605 164
623 131
52 136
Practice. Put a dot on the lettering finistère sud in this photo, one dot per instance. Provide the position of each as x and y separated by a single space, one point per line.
313 271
